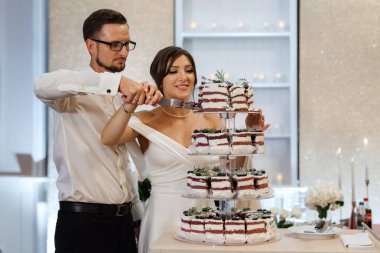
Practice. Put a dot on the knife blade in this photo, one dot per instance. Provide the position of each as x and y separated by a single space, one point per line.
177 103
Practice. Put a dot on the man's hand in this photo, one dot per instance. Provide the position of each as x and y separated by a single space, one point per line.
138 94
133 92
256 121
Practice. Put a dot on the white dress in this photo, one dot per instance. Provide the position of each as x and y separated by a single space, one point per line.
165 163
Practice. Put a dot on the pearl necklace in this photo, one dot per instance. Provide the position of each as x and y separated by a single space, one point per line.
174 115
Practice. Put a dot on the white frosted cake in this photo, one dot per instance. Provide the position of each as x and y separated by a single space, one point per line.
237 227
241 142
214 229
214 97
221 185
244 184
258 142
200 142
261 181
218 95
198 182
235 230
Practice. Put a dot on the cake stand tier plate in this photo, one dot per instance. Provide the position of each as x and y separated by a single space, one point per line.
181 238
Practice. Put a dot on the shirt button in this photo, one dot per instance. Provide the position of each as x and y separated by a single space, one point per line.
108 91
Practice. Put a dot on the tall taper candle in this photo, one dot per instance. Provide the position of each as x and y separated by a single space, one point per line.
339 154
353 179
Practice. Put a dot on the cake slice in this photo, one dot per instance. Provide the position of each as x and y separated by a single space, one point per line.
258 142
235 230
186 218
198 228
261 181
218 142
238 98
241 142
244 184
221 186
214 97
198 182
200 142
214 229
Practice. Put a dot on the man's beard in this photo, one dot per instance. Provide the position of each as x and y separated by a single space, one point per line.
112 69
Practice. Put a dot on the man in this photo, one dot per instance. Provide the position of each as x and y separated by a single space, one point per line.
97 192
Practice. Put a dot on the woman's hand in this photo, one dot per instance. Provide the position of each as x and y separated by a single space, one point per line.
256 121
152 94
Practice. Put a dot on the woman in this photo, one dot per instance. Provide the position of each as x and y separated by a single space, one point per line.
164 135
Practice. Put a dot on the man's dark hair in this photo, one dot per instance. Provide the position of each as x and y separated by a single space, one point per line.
94 23
163 61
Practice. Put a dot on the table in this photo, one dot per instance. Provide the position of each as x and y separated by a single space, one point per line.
288 243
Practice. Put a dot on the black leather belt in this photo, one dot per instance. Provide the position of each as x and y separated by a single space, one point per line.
101 209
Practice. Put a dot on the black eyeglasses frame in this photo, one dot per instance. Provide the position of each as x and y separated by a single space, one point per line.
118 44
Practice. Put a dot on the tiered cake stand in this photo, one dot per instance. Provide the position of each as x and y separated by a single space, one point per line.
228 163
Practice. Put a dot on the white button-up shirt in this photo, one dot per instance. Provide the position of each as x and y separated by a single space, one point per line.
88 171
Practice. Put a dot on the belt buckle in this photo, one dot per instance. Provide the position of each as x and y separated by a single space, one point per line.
120 211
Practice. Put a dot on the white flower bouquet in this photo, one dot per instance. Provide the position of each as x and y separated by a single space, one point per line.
324 195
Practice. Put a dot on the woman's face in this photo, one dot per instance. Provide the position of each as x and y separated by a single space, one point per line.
179 82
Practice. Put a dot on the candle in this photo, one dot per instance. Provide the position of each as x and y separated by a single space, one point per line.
281 24
213 25
353 179
339 153
193 25
279 178
365 142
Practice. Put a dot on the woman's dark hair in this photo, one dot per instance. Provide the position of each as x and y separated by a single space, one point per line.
97 19
164 60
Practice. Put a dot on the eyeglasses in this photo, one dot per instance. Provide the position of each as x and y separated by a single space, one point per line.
118 46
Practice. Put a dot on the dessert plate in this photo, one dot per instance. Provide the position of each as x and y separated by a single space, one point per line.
309 232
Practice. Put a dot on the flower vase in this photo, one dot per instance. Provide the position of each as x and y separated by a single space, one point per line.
324 214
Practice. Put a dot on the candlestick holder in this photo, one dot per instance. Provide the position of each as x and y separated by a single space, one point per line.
353 216
366 186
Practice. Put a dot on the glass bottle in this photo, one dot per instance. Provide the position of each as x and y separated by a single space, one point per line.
368 213
360 214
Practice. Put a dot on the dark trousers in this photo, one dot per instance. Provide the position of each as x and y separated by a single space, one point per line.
93 233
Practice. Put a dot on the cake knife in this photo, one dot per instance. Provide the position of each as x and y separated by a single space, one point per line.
177 103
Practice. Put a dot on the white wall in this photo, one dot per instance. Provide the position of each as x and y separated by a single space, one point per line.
23 55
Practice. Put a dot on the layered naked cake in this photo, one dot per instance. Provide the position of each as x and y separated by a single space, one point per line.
256 229
186 218
249 94
244 184
214 229
237 227
200 142
218 142
198 181
214 97
241 142
235 230
210 141
197 232
258 142
219 95
221 185
238 98
261 181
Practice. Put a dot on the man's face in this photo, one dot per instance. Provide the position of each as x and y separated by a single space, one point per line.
102 57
